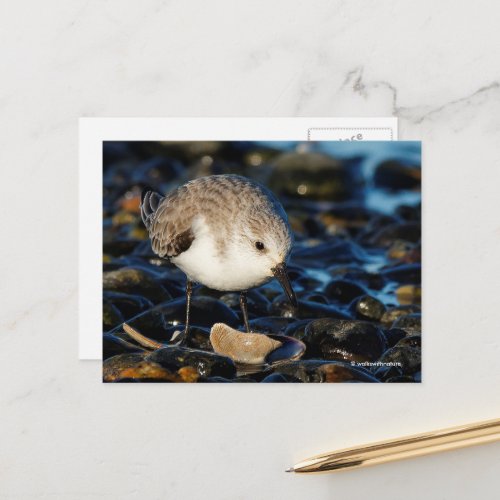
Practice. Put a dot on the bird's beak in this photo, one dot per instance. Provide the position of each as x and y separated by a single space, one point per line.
280 274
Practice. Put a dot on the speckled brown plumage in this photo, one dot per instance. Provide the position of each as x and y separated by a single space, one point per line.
219 199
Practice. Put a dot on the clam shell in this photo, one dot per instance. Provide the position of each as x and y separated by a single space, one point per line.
254 348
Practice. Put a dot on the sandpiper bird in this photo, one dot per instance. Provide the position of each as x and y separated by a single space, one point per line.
223 231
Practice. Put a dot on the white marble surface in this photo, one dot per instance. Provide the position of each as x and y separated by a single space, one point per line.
432 64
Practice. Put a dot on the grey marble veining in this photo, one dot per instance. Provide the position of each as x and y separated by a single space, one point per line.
434 65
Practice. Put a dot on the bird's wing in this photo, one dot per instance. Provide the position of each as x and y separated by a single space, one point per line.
169 222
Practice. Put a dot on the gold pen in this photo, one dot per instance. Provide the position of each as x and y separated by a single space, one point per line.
404 447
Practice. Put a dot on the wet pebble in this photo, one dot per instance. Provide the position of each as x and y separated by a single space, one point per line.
411 323
311 175
406 357
270 324
112 346
393 313
207 364
281 307
409 294
324 371
394 175
128 305
112 367
368 308
111 315
406 231
344 340
344 291
406 273
135 281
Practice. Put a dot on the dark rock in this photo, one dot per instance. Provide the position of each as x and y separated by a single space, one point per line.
344 291
135 281
112 367
279 378
128 305
326 254
315 297
368 308
344 340
313 176
411 323
408 231
207 364
406 273
112 346
297 329
358 275
117 248
111 316
403 379
270 324
324 371
409 294
395 175
408 358
281 306
394 335
394 313
411 341
307 283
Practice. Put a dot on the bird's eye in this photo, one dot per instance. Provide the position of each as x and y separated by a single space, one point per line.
259 245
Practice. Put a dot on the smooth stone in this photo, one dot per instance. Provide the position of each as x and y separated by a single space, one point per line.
278 378
394 335
394 175
411 341
410 213
207 364
409 294
111 315
270 324
205 311
112 346
344 340
128 305
411 323
315 297
119 247
297 329
324 371
344 291
393 313
326 254
135 281
147 371
281 306
112 367
406 273
384 373
403 379
406 231
307 283
368 308
409 358
357 275
313 176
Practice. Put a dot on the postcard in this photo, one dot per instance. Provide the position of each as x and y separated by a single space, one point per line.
93 133
261 261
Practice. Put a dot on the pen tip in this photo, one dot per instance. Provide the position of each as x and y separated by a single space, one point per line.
290 469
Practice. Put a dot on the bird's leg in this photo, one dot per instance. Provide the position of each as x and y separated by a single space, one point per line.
189 292
244 309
